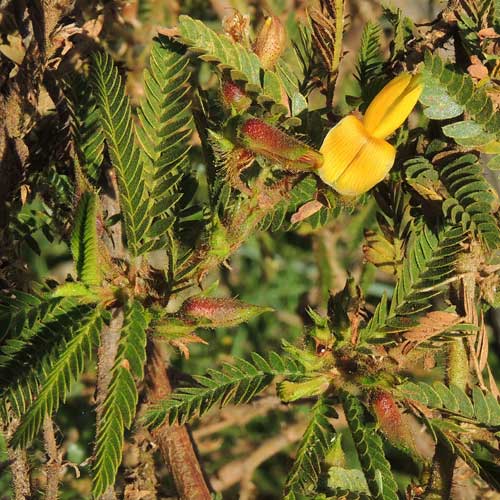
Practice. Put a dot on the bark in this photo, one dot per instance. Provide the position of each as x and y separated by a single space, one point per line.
174 441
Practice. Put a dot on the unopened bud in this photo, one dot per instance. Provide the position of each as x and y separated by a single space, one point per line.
292 391
391 421
234 96
270 42
264 139
220 312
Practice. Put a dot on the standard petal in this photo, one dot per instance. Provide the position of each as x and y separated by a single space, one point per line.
368 168
340 147
383 101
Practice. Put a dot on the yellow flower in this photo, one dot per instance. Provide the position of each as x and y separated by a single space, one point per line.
356 154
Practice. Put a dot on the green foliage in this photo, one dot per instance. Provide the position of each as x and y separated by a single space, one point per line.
119 407
242 64
86 129
37 333
61 371
453 442
314 446
303 192
370 62
116 121
84 241
164 133
429 261
469 200
368 444
482 408
460 89
236 384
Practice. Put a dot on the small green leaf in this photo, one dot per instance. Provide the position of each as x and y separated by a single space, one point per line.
462 130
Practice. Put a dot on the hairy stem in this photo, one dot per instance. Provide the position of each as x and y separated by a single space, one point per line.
19 466
53 466
108 348
174 441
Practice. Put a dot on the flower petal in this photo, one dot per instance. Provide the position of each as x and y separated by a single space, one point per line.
368 168
340 147
392 105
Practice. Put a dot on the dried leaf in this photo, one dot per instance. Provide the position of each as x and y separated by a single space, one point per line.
488 33
306 210
431 325
477 69
482 347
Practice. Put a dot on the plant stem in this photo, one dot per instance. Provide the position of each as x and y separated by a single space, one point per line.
106 355
53 466
174 441
19 466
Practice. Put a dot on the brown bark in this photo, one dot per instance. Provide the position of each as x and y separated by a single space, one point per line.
174 441
53 466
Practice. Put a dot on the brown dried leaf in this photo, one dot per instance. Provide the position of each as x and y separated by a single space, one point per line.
488 33
477 69
182 343
482 347
306 210
14 49
432 324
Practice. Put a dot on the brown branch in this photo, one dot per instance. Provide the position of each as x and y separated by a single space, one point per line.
106 355
19 466
53 466
242 470
174 441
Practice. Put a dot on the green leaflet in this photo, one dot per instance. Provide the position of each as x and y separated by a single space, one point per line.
483 408
116 121
119 407
347 480
456 91
241 64
314 446
62 369
85 126
166 126
84 240
370 63
368 444
38 332
470 200
301 193
430 260
234 384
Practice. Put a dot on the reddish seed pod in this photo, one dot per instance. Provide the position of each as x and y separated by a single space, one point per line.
270 43
220 312
271 142
391 420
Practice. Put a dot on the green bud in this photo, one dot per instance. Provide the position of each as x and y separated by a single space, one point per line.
292 391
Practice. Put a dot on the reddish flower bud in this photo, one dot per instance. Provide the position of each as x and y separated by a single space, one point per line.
271 142
215 312
234 96
391 420
270 42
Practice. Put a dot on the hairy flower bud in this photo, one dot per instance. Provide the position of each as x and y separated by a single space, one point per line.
234 96
270 42
391 420
264 139
220 312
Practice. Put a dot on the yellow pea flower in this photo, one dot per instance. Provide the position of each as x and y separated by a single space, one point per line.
356 154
